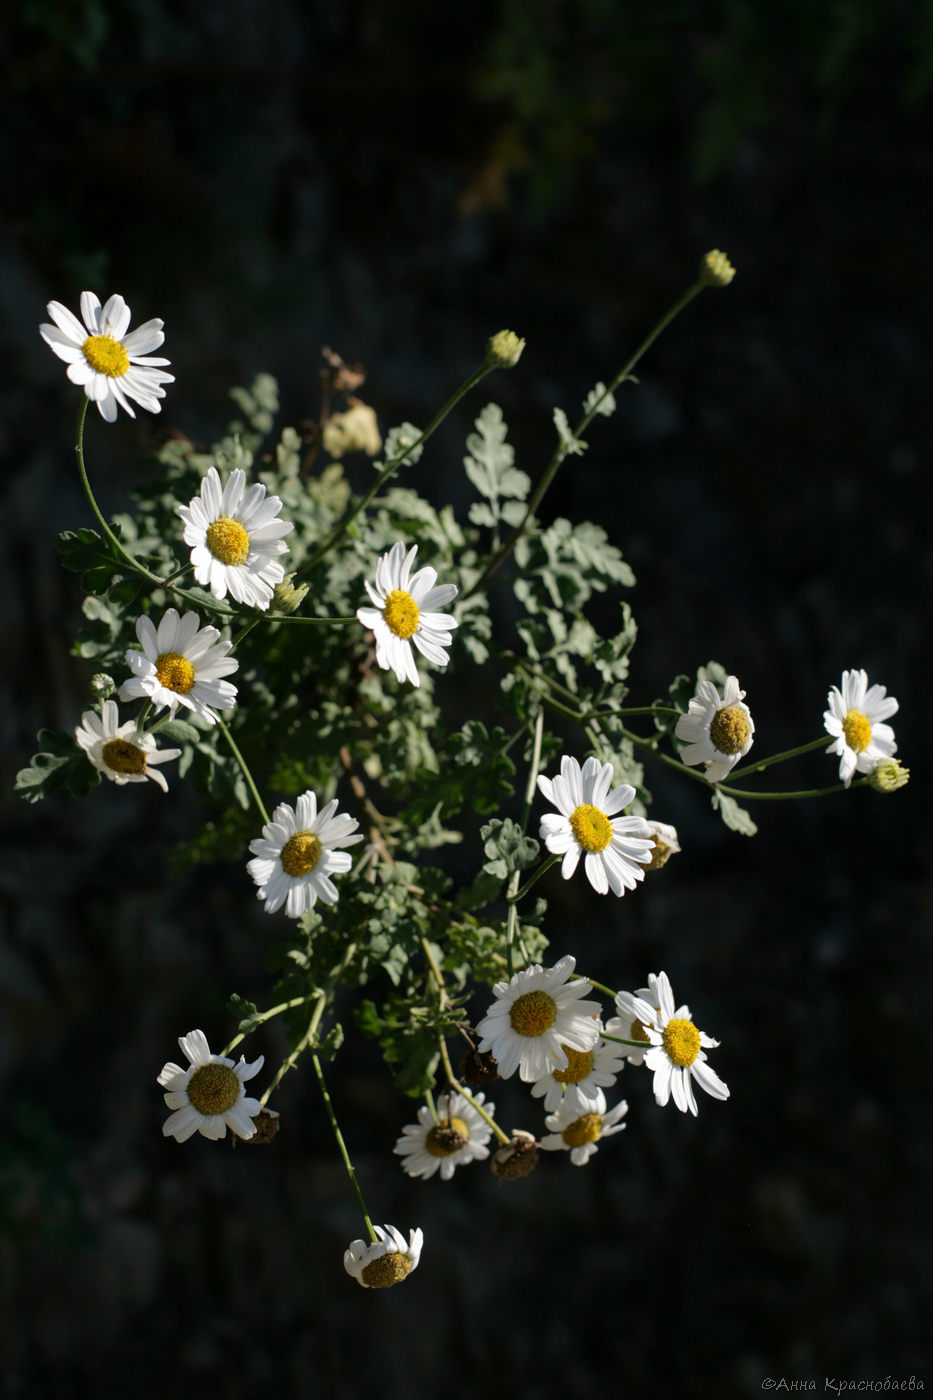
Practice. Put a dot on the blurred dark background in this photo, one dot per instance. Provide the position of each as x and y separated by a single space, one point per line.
399 182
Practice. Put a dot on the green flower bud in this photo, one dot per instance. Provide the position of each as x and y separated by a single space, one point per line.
889 775
286 598
504 350
716 270
102 685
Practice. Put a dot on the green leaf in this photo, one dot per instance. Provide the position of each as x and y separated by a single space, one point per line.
507 848
58 764
398 445
179 731
572 446
598 400
244 1011
86 552
489 467
735 817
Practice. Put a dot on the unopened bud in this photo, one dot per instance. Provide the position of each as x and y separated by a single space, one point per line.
504 350
102 685
889 775
516 1158
286 598
716 270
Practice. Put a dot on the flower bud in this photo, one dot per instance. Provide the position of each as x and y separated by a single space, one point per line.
286 598
889 775
716 270
504 350
102 685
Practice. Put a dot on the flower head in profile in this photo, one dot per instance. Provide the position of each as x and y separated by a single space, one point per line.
118 750
855 719
297 854
629 1025
235 538
577 1130
581 1083
616 849
457 1135
208 1097
535 1016
181 663
402 614
385 1261
665 843
717 730
111 366
676 1055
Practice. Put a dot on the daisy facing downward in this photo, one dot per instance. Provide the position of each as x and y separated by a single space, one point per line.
457 1135
386 1260
118 750
111 366
855 719
209 1096
236 538
616 849
402 614
298 852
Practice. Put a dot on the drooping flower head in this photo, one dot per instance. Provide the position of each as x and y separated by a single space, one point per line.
236 538
717 730
533 1018
616 849
385 1261
855 719
181 663
402 614
118 750
577 1130
676 1055
665 843
111 366
587 1073
457 1135
298 852
208 1096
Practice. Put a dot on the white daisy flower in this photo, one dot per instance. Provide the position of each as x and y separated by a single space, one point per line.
236 538
297 853
665 844
717 731
402 614
676 1056
616 848
385 1262
112 367
535 1016
457 1135
578 1132
118 750
181 664
629 1024
588 1072
208 1096
855 719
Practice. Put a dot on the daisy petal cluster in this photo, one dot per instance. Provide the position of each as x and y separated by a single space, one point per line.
208 1097
111 366
615 849
402 614
534 1016
676 1055
298 852
386 1260
587 1073
577 1130
236 538
181 663
118 750
628 1024
456 1136
856 720
717 730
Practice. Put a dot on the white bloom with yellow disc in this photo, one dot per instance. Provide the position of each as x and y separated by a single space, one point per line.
535 1016
236 538
208 1097
181 663
577 1130
628 1023
385 1261
855 719
717 730
587 1073
111 366
676 1055
456 1135
118 750
298 852
402 614
616 849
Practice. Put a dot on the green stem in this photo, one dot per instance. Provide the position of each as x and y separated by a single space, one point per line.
262 1016
306 1040
561 450
92 502
531 786
436 973
748 769
544 866
620 1040
390 468
342 1148
457 1087
245 631
785 796
244 769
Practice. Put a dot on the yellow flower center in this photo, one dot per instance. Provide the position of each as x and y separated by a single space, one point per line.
174 672
857 729
228 541
637 1032
447 1137
591 827
579 1065
401 613
729 729
681 1040
660 854
213 1089
300 854
123 757
583 1130
533 1014
106 355
387 1269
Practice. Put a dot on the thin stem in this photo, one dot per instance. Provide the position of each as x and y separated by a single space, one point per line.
458 1088
262 1016
748 769
443 998
245 631
621 1040
561 450
342 1148
391 467
785 796
600 986
512 928
544 866
92 502
244 769
306 1040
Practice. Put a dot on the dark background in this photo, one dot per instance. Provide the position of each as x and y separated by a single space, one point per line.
399 182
